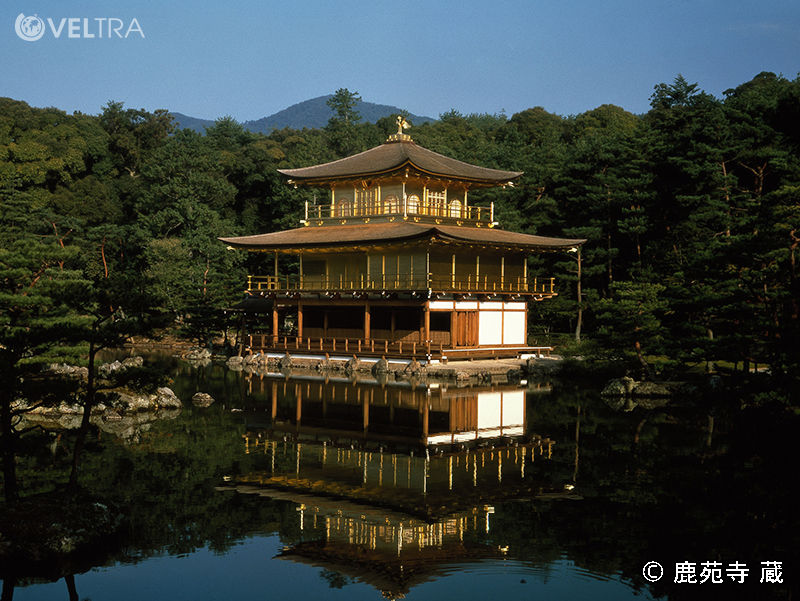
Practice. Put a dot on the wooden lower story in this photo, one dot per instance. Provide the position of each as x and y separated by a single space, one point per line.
374 326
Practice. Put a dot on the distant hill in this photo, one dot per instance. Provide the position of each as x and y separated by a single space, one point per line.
186 122
312 113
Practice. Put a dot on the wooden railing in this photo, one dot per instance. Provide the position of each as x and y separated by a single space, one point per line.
350 210
491 284
370 283
345 345
377 348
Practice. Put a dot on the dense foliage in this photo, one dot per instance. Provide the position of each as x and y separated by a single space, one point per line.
690 212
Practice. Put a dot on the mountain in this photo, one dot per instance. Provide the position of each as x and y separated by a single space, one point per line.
186 122
312 113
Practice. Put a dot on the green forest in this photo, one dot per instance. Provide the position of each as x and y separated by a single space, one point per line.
109 223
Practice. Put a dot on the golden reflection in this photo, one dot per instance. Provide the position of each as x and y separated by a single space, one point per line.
390 488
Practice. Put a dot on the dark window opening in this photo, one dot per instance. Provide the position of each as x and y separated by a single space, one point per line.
440 322
406 320
380 319
314 318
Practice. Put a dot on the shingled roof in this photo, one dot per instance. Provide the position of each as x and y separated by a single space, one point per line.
357 235
394 156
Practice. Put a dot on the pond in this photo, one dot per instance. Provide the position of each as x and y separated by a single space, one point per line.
298 486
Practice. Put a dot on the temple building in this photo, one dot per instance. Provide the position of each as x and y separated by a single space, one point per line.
398 263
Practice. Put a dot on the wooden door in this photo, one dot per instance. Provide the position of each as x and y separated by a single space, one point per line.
465 329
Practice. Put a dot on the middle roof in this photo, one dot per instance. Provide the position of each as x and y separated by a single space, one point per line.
369 235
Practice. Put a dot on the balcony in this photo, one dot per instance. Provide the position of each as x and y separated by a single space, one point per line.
426 349
452 212
471 284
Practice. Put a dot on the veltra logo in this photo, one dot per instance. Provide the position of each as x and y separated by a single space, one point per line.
32 28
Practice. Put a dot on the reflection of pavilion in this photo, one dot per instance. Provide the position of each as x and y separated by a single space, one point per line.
392 483
390 551
402 416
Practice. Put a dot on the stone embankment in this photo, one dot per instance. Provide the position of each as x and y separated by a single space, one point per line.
493 370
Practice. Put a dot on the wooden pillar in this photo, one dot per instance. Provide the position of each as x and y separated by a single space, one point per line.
367 324
425 420
299 395
242 335
274 324
525 273
366 413
300 321
427 325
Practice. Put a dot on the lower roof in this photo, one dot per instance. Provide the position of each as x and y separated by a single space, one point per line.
374 234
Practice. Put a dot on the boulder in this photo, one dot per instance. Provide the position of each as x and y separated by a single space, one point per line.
353 365
163 398
514 375
620 387
166 399
415 367
381 366
541 368
651 389
285 361
68 370
137 361
202 399
106 369
462 377
197 353
646 402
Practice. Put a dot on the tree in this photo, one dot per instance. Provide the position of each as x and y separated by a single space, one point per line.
532 142
631 321
694 218
343 104
133 133
228 135
185 208
111 311
35 319
680 93
341 129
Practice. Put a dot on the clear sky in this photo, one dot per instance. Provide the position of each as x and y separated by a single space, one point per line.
254 58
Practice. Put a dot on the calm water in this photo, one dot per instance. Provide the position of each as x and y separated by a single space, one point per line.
304 487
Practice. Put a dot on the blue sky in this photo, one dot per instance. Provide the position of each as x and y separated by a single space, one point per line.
252 59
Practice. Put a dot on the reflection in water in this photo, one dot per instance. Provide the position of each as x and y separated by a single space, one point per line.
387 550
402 414
390 487
391 482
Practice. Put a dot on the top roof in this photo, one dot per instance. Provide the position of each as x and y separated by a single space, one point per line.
393 157
370 234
